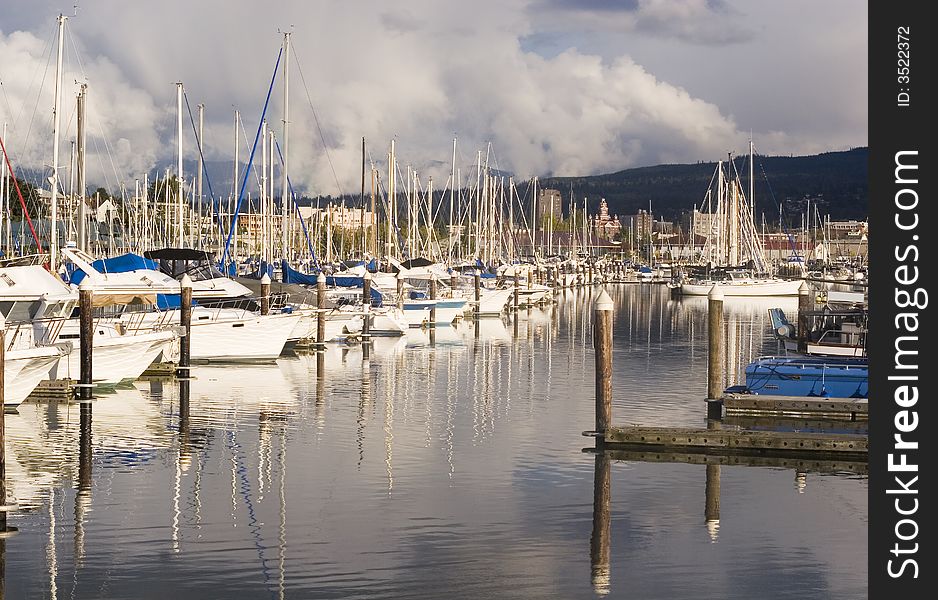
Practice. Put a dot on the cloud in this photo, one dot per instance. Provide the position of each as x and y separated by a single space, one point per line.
417 72
706 22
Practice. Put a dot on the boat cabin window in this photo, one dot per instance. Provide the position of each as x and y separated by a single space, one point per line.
21 310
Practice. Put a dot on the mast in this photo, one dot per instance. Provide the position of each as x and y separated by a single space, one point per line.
234 182
263 200
201 108
752 196
179 238
284 192
82 232
4 195
362 205
452 192
391 203
56 122
373 220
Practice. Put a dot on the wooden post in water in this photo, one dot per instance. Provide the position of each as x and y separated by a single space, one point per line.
321 309
517 294
3 455
715 352
453 280
602 525
602 346
804 305
366 318
83 485
265 294
86 338
400 290
477 288
432 297
185 320
712 493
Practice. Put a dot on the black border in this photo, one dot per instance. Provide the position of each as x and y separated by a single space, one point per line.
894 128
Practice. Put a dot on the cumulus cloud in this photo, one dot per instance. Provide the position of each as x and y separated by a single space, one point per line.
418 72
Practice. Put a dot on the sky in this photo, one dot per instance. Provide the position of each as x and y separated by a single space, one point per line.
539 87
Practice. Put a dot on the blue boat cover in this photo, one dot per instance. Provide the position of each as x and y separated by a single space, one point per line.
291 275
118 264
124 264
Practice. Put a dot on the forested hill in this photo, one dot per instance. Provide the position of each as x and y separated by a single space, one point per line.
836 181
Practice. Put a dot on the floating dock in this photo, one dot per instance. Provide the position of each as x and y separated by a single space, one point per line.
797 406
690 439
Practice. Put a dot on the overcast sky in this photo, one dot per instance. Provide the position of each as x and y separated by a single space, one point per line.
558 87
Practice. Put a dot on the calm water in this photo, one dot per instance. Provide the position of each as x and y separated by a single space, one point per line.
450 468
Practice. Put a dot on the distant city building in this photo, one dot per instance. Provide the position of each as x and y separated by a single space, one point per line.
639 225
604 226
839 230
699 223
549 203
338 216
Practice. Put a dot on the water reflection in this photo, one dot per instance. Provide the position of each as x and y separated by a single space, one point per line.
445 465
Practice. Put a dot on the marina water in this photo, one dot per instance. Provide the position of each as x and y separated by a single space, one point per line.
447 466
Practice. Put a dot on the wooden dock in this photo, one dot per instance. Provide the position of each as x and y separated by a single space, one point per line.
58 390
828 408
734 441
159 370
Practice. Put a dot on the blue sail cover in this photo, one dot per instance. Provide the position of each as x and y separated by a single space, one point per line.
124 264
118 264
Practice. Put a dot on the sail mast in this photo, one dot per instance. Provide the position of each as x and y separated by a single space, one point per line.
56 122
179 237
285 189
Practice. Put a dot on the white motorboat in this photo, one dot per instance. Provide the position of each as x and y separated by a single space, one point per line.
24 368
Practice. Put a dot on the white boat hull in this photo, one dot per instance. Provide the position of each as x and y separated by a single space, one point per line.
116 359
771 287
23 369
492 302
249 338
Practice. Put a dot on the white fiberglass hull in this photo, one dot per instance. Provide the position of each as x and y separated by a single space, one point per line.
250 338
116 359
389 321
492 302
23 369
769 287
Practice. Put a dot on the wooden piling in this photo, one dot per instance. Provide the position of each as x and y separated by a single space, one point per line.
602 524
366 307
400 290
477 287
432 297
185 320
3 456
517 294
86 338
712 492
716 351
321 309
265 294
602 345
454 280
804 306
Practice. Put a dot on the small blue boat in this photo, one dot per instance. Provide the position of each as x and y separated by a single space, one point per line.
823 377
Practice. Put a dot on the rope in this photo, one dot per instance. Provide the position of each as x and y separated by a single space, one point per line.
19 193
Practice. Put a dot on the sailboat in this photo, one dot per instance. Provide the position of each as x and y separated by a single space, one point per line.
734 253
